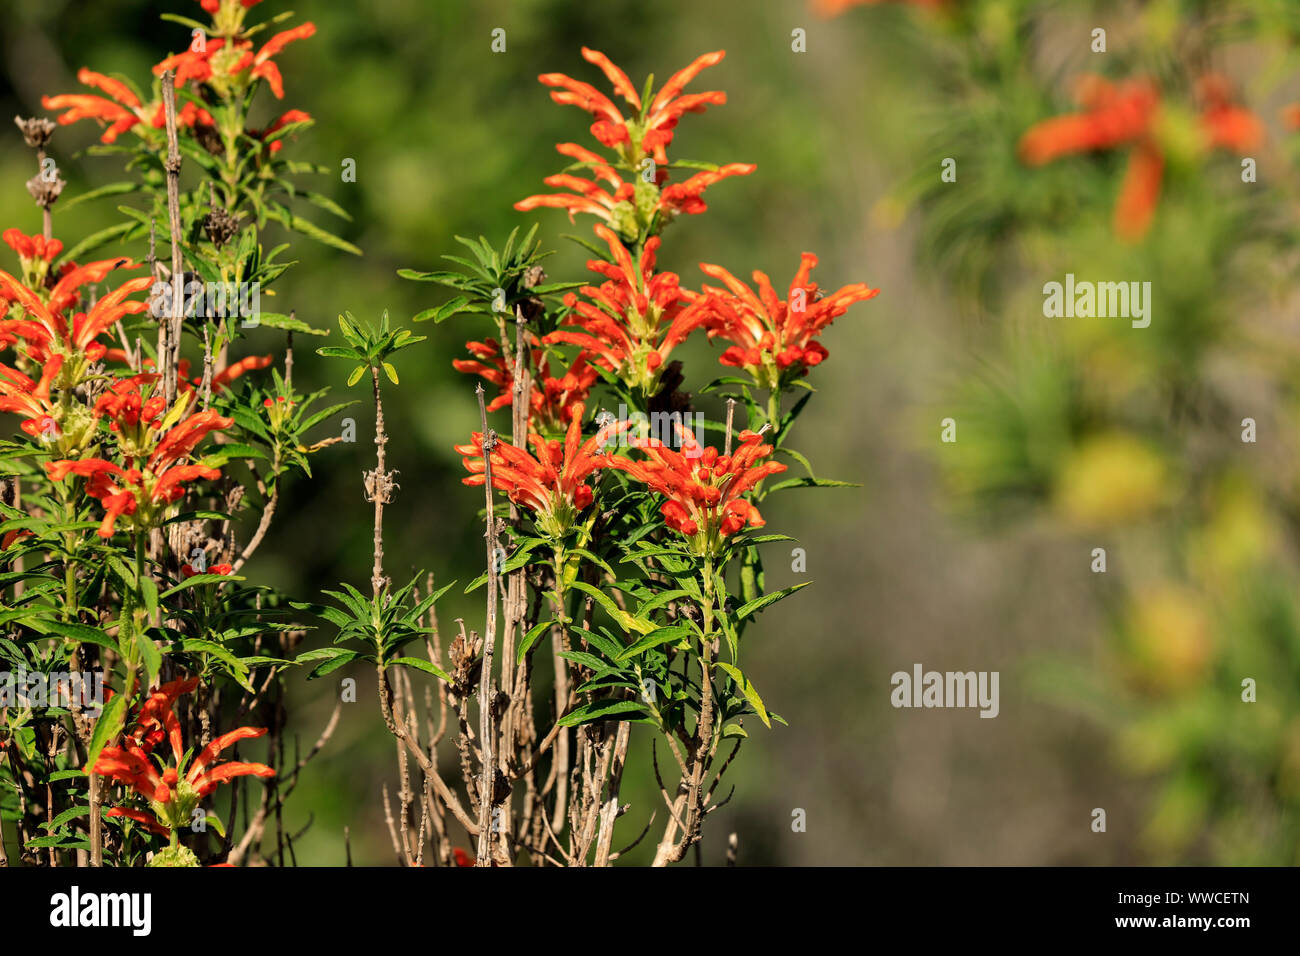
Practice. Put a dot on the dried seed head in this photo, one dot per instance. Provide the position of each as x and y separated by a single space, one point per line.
220 225
45 190
36 130
535 276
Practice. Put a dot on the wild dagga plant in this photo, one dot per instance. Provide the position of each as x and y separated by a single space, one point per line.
148 470
623 565
1161 444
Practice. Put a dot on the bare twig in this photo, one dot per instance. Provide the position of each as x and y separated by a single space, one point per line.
487 777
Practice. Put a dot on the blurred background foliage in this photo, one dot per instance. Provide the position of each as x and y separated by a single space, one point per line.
1119 690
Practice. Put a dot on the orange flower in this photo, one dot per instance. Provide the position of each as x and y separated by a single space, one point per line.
616 205
772 338
188 570
650 130
644 205
120 113
31 248
554 484
551 399
153 444
704 489
1126 116
172 797
31 399
635 319
47 332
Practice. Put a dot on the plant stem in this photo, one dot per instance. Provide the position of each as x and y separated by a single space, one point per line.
487 776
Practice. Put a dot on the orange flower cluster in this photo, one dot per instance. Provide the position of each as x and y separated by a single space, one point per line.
221 60
46 331
176 791
552 485
771 336
1128 115
552 397
154 443
635 319
629 325
704 490
641 206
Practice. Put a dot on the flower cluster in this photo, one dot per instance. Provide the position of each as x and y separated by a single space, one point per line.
640 142
704 490
154 442
628 326
222 60
172 789
553 485
1130 115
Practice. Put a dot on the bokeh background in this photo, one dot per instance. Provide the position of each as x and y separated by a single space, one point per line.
446 135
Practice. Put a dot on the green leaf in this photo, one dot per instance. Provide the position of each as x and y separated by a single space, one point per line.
599 710
531 637
111 189
110 723
150 655
200 579
308 228
623 618
768 599
149 591
443 312
95 240
213 515
748 690
278 320
77 632
421 665
812 483
663 635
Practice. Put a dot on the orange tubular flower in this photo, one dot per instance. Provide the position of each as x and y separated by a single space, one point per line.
47 332
616 205
635 319
1126 116
704 489
554 484
31 399
773 339
153 445
120 113
631 207
33 249
833 8
176 791
651 131
552 398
